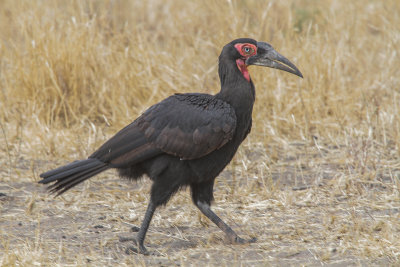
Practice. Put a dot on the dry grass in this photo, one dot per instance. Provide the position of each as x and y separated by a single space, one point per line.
317 181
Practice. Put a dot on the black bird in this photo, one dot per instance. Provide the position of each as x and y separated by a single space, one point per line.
185 140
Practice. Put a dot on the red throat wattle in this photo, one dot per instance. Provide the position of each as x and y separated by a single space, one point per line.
243 68
246 50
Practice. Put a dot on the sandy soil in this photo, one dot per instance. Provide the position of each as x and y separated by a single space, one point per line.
298 223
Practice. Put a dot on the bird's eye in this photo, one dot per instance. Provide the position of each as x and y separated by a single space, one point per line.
248 50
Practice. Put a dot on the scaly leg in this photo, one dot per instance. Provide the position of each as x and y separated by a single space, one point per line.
139 240
232 236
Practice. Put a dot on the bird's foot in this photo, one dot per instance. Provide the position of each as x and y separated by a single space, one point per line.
141 250
126 239
136 248
239 240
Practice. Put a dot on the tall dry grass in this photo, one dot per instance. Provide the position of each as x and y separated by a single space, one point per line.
65 64
74 72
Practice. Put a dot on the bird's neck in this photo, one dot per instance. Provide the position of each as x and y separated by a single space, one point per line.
236 89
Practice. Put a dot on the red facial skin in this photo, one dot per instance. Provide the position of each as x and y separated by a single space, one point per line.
246 50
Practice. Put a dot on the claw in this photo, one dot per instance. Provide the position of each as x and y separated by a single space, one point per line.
134 250
137 248
126 239
252 240
131 250
142 250
239 240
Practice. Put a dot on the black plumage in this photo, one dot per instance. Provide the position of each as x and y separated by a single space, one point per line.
185 140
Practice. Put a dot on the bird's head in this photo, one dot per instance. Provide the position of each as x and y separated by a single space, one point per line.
250 52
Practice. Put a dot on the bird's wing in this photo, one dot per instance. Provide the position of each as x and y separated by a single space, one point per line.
185 125
129 146
188 125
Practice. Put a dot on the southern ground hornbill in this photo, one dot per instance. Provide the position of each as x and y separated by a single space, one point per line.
185 140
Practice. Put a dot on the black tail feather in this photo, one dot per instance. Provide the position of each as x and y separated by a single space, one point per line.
62 188
72 174
67 167
67 179
66 171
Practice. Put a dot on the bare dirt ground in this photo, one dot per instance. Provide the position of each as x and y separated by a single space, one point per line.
301 215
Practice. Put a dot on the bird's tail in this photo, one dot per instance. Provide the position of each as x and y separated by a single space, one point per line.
68 176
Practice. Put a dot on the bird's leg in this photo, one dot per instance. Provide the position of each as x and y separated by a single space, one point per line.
232 236
139 240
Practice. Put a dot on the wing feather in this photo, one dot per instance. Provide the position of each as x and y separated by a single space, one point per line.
189 125
185 125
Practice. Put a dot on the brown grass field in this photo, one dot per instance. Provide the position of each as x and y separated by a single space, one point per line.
316 181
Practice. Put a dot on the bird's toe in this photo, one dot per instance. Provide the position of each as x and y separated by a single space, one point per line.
128 239
141 250
131 250
252 240
239 240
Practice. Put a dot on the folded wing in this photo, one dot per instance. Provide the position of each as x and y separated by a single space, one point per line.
188 126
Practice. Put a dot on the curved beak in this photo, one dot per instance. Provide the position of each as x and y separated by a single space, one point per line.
268 57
